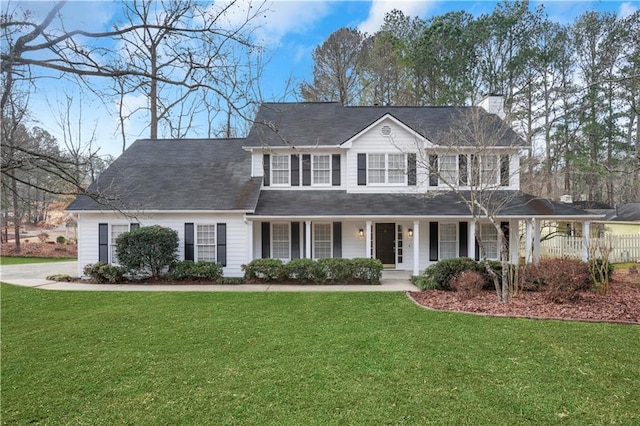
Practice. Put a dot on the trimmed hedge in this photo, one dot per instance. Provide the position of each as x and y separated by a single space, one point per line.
322 271
201 270
147 250
440 275
103 273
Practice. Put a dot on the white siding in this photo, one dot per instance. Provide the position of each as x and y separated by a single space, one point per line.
236 234
353 245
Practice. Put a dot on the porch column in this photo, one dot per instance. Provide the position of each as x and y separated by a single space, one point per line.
536 240
416 247
528 237
367 247
249 240
307 239
585 240
471 240
514 241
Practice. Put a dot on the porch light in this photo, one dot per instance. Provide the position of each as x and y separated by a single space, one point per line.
410 232
361 232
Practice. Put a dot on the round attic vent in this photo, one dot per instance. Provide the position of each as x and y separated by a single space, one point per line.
386 130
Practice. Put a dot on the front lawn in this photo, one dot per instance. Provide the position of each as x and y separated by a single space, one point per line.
303 358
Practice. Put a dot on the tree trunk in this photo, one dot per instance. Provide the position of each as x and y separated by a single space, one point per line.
16 213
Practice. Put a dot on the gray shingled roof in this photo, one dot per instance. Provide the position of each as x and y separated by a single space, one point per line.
323 123
629 212
189 174
339 203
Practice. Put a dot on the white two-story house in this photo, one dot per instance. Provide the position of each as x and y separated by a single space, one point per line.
314 180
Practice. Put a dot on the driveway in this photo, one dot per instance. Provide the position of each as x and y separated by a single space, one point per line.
34 275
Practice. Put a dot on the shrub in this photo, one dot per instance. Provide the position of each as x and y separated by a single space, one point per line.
264 269
439 274
601 273
61 239
367 270
469 283
231 280
104 273
423 282
60 278
561 279
43 237
303 270
201 270
147 250
334 270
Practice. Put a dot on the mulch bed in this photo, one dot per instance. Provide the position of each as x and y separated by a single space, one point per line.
621 304
32 249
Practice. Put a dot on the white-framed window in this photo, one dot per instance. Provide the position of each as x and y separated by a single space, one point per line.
116 231
321 169
206 243
386 168
489 169
376 166
448 169
489 236
281 241
448 240
280 169
322 240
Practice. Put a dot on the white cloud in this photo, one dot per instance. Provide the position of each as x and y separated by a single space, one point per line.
379 9
285 17
627 9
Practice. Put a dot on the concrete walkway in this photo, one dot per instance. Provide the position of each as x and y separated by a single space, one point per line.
34 275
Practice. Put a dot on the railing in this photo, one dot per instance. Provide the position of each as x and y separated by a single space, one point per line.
626 248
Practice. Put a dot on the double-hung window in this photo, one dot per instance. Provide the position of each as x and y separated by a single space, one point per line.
489 236
321 169
206 242
489 170
280 169
116 231
448 240
448 165
280 241
322 240
386 168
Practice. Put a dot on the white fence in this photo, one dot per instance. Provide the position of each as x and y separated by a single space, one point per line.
626 248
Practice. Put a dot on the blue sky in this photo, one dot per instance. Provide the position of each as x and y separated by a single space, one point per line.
290 30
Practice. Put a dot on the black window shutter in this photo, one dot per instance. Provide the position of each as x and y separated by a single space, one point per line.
306 170
362 169
266 165
295 170
295 240
103 242
463 232
188 241
304 240
266 240
412 177
505 230
463 170
221 242
475 170
433 240
477 249
504 170
134 226
337 239
433 171
335 170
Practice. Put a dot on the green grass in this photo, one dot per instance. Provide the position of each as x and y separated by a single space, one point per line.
7 260
303 358
625 265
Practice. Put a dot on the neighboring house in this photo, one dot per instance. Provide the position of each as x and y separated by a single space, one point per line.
623 220
314 180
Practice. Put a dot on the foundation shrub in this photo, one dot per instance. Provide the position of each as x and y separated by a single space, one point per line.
104 273
201 270
469 283
334 270
265 269
148 250
439 275
562 280
303 270
367 270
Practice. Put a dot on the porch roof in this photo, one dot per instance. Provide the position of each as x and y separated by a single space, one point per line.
336 203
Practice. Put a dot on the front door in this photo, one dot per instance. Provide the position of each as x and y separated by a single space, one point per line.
385 243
